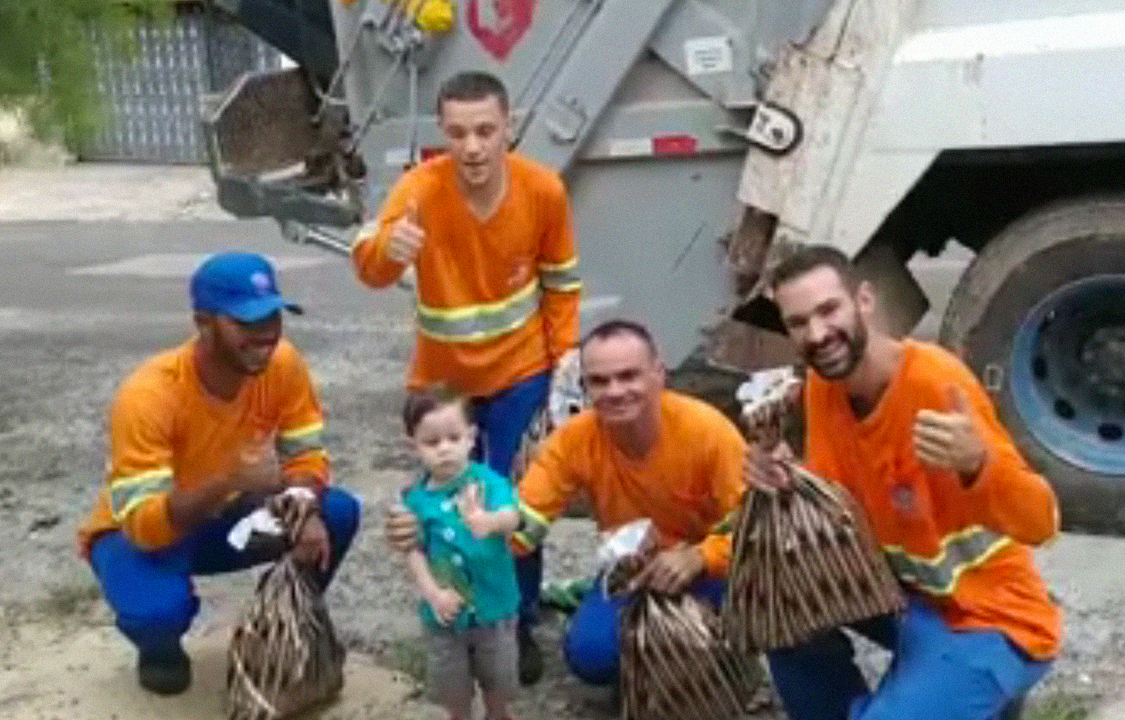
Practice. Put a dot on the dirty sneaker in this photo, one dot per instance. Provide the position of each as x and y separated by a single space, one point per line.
530 658
166 672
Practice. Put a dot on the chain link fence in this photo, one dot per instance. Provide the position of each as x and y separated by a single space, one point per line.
152 100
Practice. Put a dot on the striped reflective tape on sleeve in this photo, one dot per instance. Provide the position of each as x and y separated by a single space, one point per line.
726 523
960 551
532 530
560 277
291 443
476 323
128 492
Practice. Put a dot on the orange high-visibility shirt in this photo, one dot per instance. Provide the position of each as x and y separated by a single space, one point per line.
497 299
689 481
965 549
167 432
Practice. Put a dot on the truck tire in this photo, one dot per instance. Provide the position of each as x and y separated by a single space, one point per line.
1039 315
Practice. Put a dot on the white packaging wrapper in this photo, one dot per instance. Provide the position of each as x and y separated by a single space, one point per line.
262 521
623 543
766 386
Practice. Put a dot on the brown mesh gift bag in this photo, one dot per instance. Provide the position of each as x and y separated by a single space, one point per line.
675 663
284 657
803 559
537 431
565 398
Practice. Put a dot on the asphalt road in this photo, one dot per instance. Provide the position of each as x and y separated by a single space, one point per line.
138 270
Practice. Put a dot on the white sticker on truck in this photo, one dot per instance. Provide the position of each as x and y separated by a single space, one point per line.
707 55
630 147
397 157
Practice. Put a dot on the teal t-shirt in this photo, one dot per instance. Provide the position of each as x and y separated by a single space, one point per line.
482 570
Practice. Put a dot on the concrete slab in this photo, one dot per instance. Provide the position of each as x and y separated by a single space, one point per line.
108 191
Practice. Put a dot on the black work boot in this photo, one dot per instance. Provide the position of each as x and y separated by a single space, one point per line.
164 672
530 658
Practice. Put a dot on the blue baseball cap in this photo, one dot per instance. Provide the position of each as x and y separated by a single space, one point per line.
240 285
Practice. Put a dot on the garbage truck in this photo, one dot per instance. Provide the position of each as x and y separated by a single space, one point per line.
700 138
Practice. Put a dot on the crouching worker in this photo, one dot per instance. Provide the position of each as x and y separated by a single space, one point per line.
199 436
641 451
909 432
463 568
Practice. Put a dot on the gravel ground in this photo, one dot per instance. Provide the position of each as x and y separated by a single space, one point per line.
58 370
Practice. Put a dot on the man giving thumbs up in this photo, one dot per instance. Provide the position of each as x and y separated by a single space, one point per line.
950 440
406 236
489 234
910 433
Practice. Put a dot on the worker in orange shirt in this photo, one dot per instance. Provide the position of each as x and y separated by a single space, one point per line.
640 451
489 234
907 429
199 436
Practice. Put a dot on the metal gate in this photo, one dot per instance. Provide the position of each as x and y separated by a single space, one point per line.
151 101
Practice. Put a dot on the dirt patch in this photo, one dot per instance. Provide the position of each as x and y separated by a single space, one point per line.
53 671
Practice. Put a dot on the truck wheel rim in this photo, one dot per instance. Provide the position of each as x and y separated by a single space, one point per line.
1068 373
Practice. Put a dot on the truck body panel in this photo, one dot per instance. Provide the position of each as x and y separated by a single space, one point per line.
701 138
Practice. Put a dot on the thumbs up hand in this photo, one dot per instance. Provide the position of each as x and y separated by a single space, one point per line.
479 520
407 235
950 440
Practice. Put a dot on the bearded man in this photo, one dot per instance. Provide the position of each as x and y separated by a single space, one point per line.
906 428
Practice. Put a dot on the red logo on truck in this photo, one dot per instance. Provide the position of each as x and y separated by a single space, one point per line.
499 25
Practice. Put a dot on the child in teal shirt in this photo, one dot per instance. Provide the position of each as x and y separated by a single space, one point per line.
464 568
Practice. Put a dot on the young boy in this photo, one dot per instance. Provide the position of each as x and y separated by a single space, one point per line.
464 569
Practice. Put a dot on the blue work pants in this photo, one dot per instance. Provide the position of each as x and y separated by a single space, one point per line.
936 673
151 592
502 419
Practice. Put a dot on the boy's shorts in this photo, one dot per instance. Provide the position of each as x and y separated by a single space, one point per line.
458 657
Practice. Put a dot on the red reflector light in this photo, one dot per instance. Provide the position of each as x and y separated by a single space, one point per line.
674 145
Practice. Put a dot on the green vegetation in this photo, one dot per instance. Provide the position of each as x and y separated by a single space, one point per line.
47 58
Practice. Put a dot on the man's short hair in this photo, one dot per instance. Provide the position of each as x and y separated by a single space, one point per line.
807 258
420 403
470 86
620 326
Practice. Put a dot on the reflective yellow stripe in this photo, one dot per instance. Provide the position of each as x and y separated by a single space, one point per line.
302 440
469 311
475 323
560 280
303 431
959 552
533 527
555 267
126 493
315 452
726 525
532 514
560 277
519 544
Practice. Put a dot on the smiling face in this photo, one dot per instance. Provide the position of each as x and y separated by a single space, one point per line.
826 320
476 136
623 378
444 439
244 347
